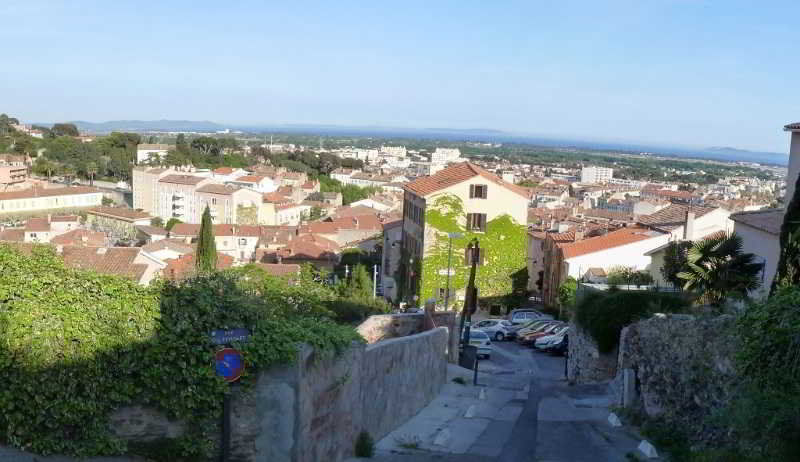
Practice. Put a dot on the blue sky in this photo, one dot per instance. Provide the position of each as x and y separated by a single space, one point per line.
679 72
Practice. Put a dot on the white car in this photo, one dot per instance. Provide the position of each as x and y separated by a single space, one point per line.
523 315
556 336
481 340
497 329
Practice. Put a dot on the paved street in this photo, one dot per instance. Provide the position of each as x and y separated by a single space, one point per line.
522 410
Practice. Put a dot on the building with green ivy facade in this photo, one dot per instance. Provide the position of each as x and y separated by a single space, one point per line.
442 214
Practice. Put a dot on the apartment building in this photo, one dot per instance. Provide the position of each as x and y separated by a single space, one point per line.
445 155
593 175
177 197
34 199
477 201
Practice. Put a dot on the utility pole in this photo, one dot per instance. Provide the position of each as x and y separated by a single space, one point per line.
374 281
471 299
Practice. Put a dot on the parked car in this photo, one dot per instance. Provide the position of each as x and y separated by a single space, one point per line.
522 315
498 329
543 342
529 339
481 340
560 347
534 326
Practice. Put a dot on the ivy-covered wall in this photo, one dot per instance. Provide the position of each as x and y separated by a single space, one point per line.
504 244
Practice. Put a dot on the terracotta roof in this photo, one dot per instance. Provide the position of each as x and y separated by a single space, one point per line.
192 229
151 147
81 237
37 225
218 189
769 220
392 224
12 235
39 192
608 214
623 236
120 213
223 170
250 179
113 260
599 272
792 126
456 174
672 217
183 266
65 218
348 211
182 179
279 269
275 197
152 230
178 245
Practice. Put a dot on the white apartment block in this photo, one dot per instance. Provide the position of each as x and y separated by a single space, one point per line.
144 152
29 200
393 151
445 155
592 175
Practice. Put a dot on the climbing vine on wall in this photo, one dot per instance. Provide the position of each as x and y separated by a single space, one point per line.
505 251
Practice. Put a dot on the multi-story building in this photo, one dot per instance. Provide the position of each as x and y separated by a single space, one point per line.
393 151
445 155
466 199
177 197
34 199
229 204
260 183
594 175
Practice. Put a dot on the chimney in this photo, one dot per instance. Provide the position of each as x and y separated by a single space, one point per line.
579 235
688 227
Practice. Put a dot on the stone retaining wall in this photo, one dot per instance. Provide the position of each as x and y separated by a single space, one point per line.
585 363
378 328
679 368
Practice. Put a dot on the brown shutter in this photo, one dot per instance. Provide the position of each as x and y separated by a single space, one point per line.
471 191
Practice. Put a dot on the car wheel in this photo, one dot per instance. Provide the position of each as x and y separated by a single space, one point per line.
499 336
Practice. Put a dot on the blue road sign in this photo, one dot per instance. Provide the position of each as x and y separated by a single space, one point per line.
229 364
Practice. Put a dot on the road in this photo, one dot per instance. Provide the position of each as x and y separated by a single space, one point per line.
556 422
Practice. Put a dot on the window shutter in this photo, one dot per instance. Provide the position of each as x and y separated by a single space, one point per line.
482 222
485 191
471 191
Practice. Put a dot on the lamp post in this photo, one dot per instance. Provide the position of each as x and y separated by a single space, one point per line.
449 258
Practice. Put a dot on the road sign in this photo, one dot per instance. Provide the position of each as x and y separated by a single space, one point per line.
229 364
225 337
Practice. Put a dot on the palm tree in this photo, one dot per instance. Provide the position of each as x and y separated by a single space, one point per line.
717 268
91 170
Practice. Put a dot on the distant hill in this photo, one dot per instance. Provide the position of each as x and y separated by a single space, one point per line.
743 155
148 126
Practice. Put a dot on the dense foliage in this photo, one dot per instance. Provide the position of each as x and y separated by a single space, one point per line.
763 414
604 314
716 268
624 275
350 192
788 271
79 345
675 256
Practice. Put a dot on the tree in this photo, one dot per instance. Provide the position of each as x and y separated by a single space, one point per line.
91 170
171 222
717 268
65 130
788 272
566 293
675 262
207 145
316 213
206 253
359 286
157 222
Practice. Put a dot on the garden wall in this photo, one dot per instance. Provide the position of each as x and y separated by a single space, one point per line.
382 327
315 409
585 363
680 368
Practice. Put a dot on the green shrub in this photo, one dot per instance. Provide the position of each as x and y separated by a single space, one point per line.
604 314
80 345
365 447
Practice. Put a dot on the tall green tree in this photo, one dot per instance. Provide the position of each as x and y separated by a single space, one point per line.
788 271
206 253
65 130
675 261
716 268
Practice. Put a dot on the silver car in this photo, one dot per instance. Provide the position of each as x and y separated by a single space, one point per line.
497 329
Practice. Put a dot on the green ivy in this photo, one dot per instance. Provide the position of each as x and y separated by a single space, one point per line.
77 345
505 244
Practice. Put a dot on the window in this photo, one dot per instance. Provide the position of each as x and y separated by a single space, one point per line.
213 201
243 241
476 222
468 253
478 191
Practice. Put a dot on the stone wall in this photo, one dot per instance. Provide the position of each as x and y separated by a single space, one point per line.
679 368
585 363
382 327
313 410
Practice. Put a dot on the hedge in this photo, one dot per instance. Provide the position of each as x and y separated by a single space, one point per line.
77 345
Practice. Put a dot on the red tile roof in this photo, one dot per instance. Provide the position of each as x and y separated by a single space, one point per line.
81 238
12 235
113 260
183 266
223 170
250 179
37 225
182 179
455 174
65 218
623 236
672 217
39 192
119 213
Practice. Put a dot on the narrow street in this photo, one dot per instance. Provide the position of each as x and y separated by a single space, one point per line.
521 410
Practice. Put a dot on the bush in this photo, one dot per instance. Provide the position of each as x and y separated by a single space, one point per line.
80 345
365 447
604 314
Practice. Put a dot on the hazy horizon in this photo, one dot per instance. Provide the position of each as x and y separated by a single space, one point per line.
672 73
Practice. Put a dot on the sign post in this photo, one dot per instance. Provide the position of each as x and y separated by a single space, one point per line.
229 364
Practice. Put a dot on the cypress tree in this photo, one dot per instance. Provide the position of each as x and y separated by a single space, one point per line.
206 254
788 271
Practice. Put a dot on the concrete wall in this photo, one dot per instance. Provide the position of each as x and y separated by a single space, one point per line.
314 409
682 370
794 166
766 246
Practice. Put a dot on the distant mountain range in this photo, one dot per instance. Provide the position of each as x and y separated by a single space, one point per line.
723 153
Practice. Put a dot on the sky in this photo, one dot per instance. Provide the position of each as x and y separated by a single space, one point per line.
667 72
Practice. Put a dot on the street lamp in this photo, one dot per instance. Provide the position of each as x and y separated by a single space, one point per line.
449 257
